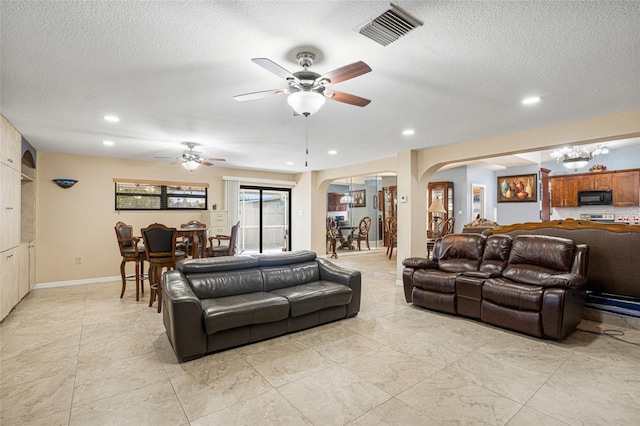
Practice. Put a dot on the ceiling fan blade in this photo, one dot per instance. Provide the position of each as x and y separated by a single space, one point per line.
258 95
347 72
276 69
178 161
206 163
213 159
347 98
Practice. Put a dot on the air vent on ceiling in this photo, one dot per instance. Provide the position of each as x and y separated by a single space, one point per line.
389 26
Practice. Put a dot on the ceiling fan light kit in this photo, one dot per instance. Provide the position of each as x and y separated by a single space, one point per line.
191 165
306 103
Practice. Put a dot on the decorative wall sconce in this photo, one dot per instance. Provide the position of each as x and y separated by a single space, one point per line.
65 183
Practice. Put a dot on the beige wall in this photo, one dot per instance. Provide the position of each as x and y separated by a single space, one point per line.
79 221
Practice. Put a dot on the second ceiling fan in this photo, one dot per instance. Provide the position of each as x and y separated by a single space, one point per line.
308 90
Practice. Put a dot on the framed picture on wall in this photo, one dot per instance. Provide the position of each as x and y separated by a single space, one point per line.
360 198
518 189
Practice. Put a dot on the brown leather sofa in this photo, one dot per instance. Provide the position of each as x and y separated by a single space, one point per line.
531 284
218 303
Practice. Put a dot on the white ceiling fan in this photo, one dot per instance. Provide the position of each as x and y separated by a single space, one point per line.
191 159
308 90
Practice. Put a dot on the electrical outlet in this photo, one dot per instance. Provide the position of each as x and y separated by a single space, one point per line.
78 261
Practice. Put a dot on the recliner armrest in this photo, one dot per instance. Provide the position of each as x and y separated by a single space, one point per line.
478 274
564 280
419 263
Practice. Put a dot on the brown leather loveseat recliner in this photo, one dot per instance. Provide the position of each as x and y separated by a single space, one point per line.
532 284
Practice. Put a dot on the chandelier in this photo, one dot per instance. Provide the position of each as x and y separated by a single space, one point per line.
576 158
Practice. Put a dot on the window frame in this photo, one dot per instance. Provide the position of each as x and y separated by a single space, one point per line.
163 196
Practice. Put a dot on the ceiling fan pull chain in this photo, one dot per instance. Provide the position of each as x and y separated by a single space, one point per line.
306 153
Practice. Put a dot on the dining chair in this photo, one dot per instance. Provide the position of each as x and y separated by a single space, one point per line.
227 250
391 227
161 252
130 252
447 227
332 235
187 241
361 233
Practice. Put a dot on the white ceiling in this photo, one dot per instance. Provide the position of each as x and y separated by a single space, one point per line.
170 70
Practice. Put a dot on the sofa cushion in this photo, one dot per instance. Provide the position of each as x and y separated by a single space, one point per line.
228 283
435 280
284 258
536 257
496 254
216 264
504 292
275 277
311 297
224 313
460 252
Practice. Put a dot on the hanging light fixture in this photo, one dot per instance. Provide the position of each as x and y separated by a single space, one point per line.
346 199
191 165
306 102
578 158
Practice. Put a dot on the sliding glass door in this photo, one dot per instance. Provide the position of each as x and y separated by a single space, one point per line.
264 215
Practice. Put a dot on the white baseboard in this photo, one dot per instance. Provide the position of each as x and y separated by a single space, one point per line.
76 282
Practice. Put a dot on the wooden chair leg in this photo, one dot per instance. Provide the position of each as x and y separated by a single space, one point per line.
124 278
368 246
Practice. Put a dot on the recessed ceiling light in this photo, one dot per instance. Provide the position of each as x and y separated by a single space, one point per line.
408 132
333 152
289 163
108 143
531 100
111 118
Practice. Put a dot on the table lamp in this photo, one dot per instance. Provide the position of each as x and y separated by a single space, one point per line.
435 207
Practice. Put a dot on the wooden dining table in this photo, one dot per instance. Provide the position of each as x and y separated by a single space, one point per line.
196 234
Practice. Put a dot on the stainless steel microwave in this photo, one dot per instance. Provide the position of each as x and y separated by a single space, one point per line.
594 198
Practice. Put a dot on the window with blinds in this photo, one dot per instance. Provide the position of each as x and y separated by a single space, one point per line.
150 195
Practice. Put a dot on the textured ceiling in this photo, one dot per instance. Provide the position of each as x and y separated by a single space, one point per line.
170 70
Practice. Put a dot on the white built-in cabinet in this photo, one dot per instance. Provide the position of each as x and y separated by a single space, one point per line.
17 221
217 221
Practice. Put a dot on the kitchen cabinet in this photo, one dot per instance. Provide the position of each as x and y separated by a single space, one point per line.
334 204
626 188
564 191
595 181
10 190
10 146
17 217
9 281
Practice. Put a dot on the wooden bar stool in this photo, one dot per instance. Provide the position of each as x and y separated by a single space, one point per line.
130 252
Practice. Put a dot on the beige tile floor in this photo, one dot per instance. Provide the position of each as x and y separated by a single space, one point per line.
82 356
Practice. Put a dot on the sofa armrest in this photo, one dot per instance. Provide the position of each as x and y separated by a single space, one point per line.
182 317
329 271
478 274
564 280
419 263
